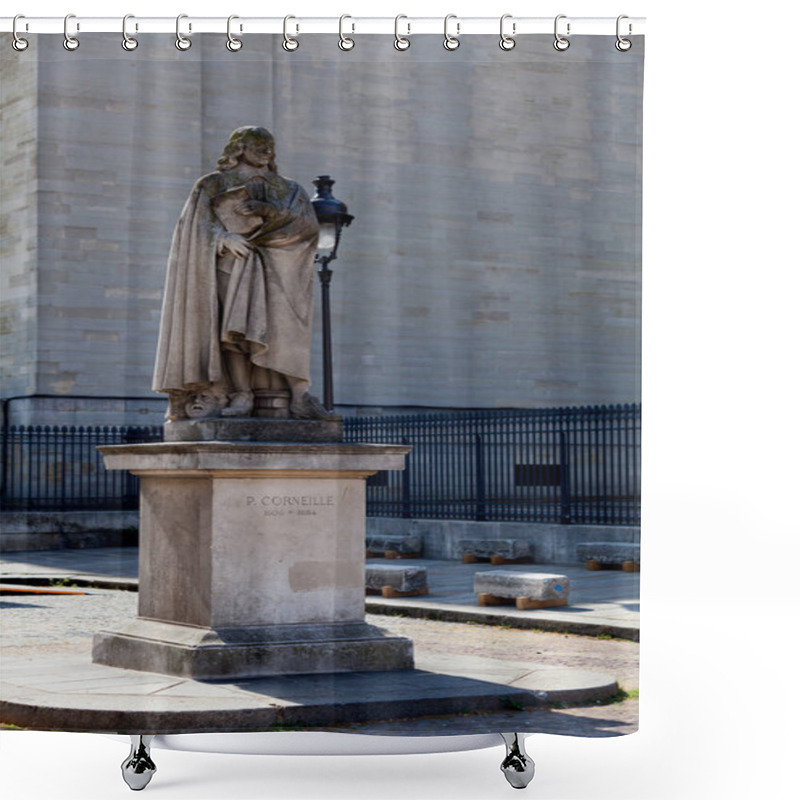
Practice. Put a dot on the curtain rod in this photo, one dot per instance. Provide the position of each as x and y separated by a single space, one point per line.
404 26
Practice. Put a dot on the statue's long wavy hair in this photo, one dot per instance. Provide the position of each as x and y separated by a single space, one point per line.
237 142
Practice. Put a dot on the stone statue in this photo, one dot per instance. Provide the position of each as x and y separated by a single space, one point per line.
235 335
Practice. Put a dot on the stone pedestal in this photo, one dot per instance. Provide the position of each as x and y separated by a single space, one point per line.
252 560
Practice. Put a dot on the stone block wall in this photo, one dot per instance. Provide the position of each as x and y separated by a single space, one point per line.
495 256
18 226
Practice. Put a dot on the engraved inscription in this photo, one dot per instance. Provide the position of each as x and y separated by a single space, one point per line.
279 505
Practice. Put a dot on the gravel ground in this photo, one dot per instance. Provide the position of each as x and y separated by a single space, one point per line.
66 623
618 657
49 619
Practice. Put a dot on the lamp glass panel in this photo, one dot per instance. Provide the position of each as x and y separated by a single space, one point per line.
327 236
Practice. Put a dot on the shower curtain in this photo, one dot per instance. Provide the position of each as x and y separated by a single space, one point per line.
484 311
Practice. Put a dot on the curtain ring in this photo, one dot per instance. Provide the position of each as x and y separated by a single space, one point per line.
561 43
181 42
400 42
290 43
128 42
623 45
507 42
451 42
233 44
345 43
18 43
70 42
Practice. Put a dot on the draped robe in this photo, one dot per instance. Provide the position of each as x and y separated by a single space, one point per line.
266 310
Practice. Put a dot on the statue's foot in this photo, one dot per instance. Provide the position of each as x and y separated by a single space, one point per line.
240 405
308 407
175 406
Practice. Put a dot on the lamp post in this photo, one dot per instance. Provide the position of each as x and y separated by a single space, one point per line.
332 216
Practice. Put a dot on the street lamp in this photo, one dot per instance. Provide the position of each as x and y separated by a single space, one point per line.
332 216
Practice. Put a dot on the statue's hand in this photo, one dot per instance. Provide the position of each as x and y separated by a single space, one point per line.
254 207
237 245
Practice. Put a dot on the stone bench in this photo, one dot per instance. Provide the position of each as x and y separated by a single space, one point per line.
496 551
526 589
389 580
599 555
394 547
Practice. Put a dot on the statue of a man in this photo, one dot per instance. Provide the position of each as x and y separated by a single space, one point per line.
238 300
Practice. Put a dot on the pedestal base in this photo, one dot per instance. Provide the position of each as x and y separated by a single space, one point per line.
233 653
253 429
251 560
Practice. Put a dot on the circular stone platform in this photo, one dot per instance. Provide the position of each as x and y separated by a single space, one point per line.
70 693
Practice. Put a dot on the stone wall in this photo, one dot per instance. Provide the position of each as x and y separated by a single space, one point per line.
494 258
18 225
59 530
550 543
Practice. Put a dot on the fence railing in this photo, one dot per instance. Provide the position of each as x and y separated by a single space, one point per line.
58 468
567 465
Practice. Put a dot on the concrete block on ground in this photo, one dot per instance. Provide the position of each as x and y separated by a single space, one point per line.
396 581
607 553
527 589
395 546
498 550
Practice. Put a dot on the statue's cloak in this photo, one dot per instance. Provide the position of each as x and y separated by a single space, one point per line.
266 310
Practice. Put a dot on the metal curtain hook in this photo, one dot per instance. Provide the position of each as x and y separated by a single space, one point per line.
561 43
70 42
345 43
400 42
290 44
181 42
233 44
18 43
128 42
451 42
623 45
507 42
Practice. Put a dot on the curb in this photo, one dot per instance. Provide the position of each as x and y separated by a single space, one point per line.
444 613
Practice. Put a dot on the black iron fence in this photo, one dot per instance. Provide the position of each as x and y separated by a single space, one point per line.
566 465
58 468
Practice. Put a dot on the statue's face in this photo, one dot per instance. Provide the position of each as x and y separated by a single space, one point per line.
203 404
258 153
